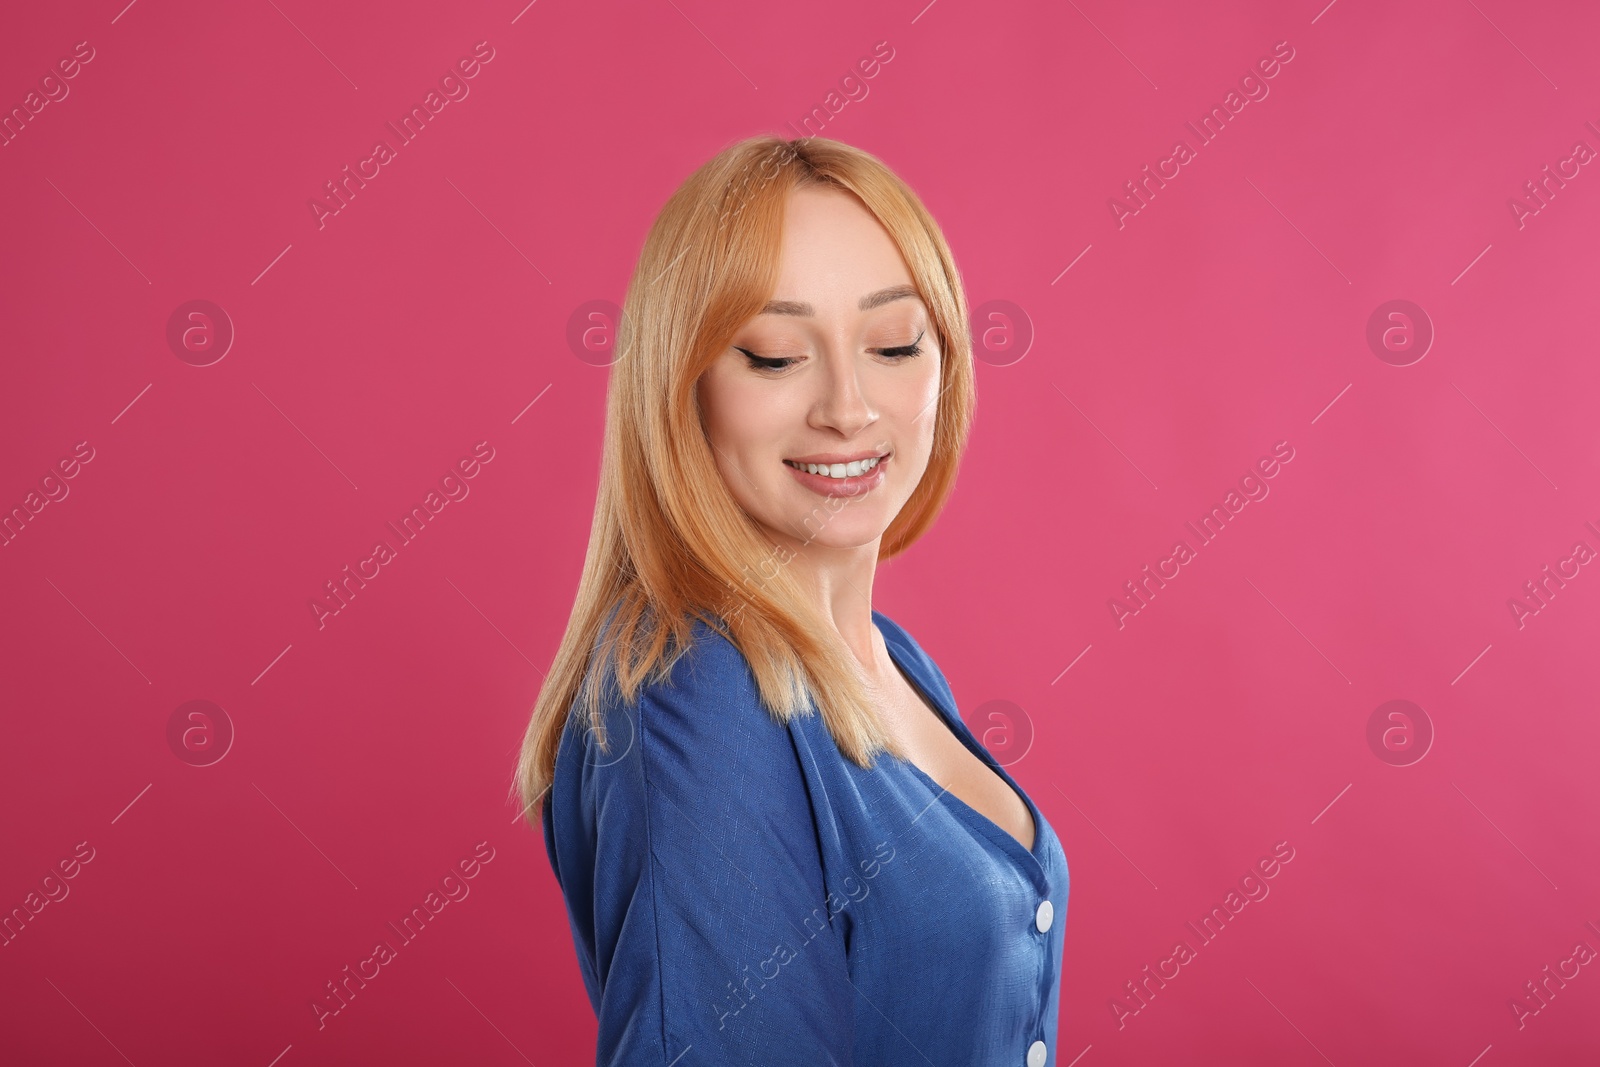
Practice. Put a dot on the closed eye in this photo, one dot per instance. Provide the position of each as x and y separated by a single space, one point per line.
766 362
903 351
899 352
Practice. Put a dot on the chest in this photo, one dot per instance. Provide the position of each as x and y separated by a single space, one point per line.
943 916
932 745
923 881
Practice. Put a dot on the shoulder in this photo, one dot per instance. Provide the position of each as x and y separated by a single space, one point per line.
916 659
687 849
710 688
701 729
708 667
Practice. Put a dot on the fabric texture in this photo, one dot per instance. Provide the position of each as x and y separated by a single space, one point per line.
741 893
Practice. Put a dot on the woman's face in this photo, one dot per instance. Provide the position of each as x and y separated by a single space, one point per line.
821 411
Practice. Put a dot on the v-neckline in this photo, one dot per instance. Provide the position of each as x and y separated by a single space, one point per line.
981 822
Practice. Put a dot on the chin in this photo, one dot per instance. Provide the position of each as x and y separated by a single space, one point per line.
841 532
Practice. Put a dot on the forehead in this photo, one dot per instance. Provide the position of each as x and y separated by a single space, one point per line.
835 251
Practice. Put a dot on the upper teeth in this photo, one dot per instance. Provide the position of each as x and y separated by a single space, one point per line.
838 470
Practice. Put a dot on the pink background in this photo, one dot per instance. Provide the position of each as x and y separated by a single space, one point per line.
371 755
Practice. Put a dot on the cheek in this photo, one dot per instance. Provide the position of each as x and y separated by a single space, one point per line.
915 401
740 419
724 411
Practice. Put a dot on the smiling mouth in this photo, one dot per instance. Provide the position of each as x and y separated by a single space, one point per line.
853 469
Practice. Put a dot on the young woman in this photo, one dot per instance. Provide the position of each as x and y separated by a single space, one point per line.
777 840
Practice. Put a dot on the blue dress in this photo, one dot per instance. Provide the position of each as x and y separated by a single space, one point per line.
741 893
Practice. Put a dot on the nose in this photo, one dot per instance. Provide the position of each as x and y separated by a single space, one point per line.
842 403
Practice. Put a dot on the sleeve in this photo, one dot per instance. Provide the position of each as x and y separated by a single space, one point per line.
712 936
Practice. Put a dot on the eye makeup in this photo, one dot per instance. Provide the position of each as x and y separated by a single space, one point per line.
898 352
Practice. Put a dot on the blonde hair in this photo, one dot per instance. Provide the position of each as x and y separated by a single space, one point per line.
669 543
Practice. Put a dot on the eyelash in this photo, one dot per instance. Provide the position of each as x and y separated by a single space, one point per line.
782 362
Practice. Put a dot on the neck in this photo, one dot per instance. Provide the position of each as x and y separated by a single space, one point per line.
839 581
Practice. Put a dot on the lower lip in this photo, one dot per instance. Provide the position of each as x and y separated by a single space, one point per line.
822 485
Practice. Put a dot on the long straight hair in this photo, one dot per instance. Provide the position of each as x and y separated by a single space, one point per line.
669 543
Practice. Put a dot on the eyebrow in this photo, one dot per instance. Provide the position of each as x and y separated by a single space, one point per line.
867 303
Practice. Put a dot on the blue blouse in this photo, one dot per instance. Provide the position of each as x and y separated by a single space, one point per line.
742 893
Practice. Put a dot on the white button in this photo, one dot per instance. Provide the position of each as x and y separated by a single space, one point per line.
1045 916
1036 1054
